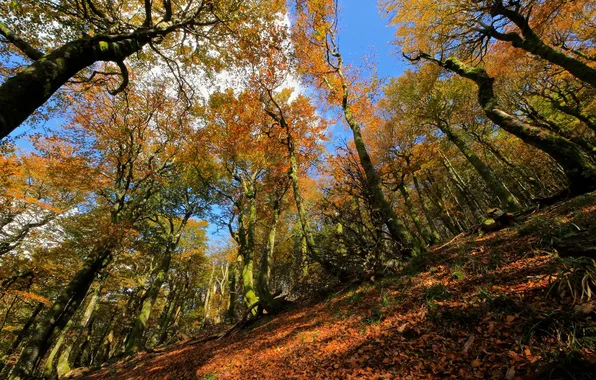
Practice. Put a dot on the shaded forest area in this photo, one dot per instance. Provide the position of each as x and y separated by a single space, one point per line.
173 204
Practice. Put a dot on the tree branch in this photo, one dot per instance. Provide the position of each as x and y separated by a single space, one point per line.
31 52
124 83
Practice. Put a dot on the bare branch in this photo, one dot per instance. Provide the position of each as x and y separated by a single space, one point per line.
148 21
124 83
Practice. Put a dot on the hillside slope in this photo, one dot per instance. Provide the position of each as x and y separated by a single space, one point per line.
487 306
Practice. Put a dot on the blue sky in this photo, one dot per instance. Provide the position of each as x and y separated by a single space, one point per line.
363 31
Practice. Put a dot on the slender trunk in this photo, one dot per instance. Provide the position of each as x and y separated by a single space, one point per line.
171 318
28 90
62 310
304 257
422 230
99 353
462 194
64 361
233 278
49 370
249 293
164 322
444 215
396 228
208 298
459 199
434 235
81 355
293 174
134 342
496 186
264 275
20 336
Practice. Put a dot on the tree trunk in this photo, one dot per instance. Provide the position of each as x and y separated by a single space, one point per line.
462 194
293 174
99 353
49 370
496 186
62 310
268 302
28 90
421 228
444 216
396 228
233 278
134 342
174 310
208 298
20 336
64 361
434 235
247 250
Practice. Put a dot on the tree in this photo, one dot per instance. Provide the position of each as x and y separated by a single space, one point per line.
321 60
131 151
424 99
577 163
178 200
467 29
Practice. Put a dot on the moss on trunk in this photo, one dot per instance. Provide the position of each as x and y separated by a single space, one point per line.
28 90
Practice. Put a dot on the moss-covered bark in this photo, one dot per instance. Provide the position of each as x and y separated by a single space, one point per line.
396 228
65 359
293 174
532 43
495 185
49 370
247 249
134 343
267 300
233 274
28 90
576 162
60 313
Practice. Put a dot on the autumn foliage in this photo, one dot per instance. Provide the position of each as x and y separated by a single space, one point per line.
175 203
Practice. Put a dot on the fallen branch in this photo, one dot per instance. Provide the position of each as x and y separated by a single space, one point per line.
452 240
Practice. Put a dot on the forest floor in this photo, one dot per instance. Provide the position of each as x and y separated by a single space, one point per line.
484 307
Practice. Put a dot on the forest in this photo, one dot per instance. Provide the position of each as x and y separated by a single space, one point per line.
214 189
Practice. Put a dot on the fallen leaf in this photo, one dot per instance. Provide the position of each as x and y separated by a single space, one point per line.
510 373
468 344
